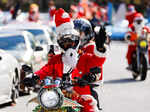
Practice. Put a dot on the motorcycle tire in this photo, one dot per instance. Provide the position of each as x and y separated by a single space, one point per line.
144 68
134 67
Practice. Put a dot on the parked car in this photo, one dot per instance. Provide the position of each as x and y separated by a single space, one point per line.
21 44
44 36
9 77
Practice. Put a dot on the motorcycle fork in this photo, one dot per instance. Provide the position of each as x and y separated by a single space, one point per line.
147 58
139 59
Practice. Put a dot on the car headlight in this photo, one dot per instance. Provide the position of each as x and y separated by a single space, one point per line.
50 98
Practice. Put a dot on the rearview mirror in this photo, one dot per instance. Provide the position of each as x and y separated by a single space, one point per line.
38 48
26 68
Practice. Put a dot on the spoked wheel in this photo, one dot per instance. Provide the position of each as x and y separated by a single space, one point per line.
15 89
143 68
134 67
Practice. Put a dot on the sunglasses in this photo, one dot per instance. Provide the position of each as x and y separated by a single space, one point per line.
138 21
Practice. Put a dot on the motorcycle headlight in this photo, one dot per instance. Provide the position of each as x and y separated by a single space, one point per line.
143 44
50 98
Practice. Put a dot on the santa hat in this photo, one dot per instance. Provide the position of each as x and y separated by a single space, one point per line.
64 24
138 16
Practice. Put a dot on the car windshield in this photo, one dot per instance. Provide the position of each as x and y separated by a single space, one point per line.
52 35
41 39
36 32
12 43
39 36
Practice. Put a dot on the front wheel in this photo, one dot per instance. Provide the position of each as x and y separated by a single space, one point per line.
135 72
143 68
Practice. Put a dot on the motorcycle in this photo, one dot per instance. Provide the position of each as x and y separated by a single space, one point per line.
140 59
51 96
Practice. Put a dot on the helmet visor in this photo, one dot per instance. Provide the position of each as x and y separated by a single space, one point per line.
68 41
139 21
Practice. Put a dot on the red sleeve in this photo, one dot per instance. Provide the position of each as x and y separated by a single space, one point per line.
88 49
82 90
45 70
52 12
75 73
130 17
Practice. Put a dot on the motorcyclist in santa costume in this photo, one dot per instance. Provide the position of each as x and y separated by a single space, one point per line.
134 33
92 54
131 12
94 46
58 65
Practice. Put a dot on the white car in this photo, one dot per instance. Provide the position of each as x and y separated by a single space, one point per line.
22 45
9 77
44 35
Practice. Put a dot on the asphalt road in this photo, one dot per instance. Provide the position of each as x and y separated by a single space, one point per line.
119 94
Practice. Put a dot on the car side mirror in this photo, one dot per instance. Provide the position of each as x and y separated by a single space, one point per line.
27 68
38 48
0 58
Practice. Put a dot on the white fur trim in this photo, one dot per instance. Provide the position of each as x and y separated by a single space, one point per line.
99 54
93 103
65 27
65 15
138 18
66 68
70 58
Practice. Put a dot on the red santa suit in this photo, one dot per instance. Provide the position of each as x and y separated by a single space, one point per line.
92 58
57 64
131 14
130 17
132 44
55 68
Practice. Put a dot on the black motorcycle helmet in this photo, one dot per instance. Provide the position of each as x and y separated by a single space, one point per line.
68 41
84 27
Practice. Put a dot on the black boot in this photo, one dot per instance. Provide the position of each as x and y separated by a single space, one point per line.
95 95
